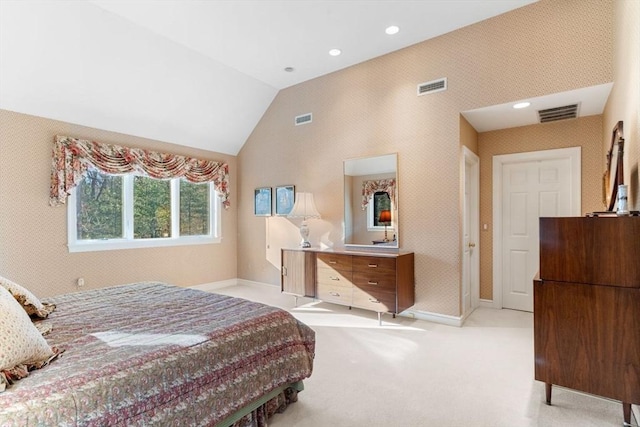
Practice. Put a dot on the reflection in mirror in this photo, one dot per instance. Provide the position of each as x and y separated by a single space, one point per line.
370 201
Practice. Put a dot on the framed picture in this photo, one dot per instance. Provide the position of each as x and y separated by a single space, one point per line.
285 197
262 201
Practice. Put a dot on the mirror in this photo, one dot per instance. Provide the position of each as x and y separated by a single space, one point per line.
371 202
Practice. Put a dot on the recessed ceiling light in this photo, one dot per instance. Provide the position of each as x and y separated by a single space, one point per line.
520 105
335 52
393 29
289 69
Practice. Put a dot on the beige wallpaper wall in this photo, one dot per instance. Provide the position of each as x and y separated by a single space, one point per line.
372 108
33 235
468 135
369 109
624 101
583 132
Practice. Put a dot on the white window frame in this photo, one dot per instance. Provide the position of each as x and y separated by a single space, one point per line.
128 242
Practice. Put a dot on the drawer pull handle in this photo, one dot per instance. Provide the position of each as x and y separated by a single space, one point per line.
372 283
374 300
334 278
334 294
373 265
333 262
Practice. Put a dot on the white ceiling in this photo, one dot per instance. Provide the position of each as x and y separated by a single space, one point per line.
196 72
591 100
260 38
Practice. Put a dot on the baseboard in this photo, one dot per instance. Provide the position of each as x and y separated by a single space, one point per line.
252 283
215 285
212 286
443 319
464 317
488 303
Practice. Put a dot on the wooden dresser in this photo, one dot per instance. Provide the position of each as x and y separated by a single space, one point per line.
381 282
587 307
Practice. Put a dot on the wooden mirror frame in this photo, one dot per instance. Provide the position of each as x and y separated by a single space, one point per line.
614 175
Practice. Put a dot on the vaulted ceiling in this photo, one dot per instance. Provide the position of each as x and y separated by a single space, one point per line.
195 72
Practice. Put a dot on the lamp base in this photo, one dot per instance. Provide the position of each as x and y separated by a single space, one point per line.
304 233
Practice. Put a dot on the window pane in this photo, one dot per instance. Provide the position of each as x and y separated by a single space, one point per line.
194 209
381 202
99 206
151 208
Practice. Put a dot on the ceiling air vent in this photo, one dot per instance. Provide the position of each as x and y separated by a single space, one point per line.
558 113
303 119
432 86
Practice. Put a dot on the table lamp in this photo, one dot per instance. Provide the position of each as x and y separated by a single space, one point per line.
385 217
304 207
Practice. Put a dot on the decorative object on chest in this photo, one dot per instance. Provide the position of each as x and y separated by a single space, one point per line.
380 282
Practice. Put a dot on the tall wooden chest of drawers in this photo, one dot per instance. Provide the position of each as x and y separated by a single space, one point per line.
587 307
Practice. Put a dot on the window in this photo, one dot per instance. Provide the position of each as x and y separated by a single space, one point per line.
99 207
380 201
133 211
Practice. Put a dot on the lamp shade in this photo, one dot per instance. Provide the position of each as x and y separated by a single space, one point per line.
385 216
304 207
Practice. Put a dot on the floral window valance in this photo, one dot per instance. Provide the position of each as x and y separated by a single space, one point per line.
72 157
369 188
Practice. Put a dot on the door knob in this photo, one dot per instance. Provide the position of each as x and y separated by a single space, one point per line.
472 245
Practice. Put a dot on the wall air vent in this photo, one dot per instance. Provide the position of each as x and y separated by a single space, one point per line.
558 113
432 86
303 119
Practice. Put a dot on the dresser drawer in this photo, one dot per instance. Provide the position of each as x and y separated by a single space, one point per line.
371 281
373 263
328 276
375 300
383 280
338 293
334 261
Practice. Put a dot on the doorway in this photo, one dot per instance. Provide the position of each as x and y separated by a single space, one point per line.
470 292
527 186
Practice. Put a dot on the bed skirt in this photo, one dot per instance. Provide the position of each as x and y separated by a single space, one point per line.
258 413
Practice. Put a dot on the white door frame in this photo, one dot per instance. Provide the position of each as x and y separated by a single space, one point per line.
573 153
470 158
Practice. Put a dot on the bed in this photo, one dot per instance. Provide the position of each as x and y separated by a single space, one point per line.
156 354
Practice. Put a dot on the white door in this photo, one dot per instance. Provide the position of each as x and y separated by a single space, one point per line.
470 249
531 188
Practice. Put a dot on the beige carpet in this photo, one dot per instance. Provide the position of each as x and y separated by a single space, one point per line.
416 373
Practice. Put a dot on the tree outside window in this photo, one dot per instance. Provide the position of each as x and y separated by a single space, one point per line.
124 208
381 202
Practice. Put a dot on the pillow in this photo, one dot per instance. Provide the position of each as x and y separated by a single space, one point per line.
22 347
29 302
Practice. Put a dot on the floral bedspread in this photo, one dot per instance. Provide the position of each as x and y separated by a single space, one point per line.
155 354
